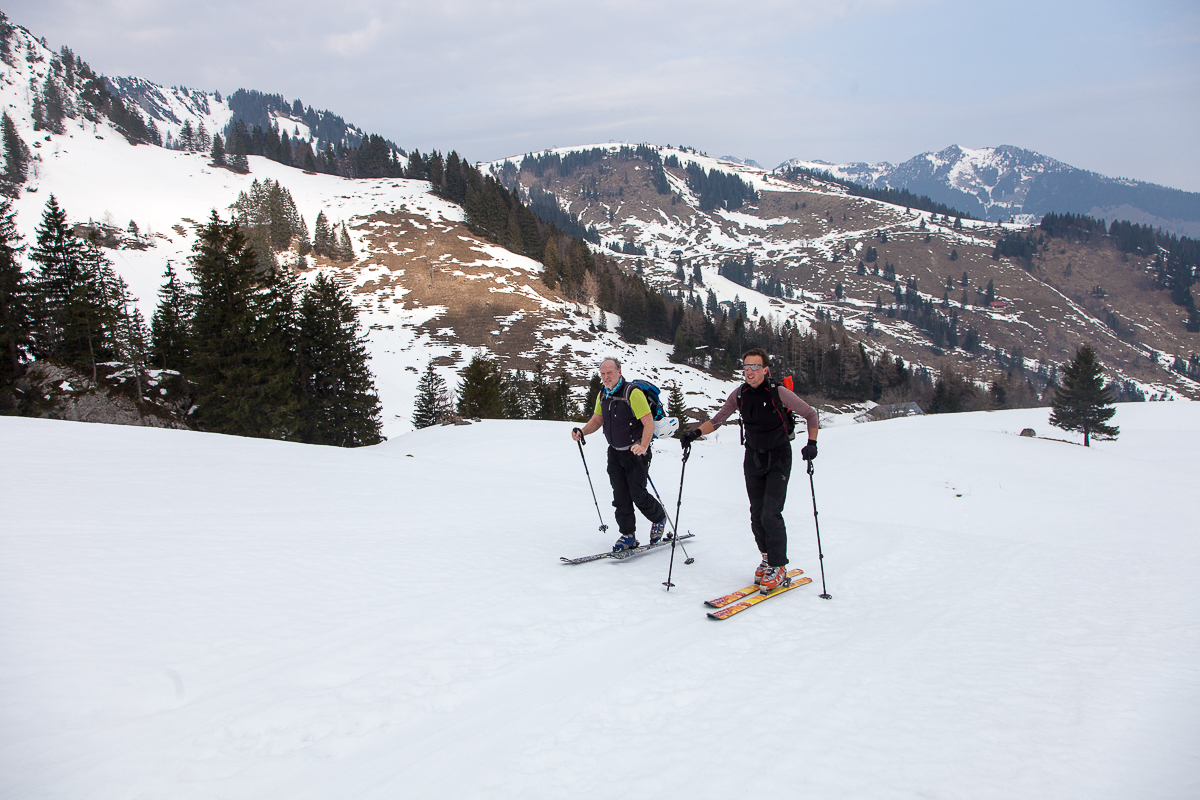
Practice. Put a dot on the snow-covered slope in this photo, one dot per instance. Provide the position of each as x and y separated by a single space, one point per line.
213 616
998 183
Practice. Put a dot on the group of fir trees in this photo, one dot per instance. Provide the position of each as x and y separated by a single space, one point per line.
262 355
270 221
272 224
191 139
372 157
332 242
486 391
267 357
71 308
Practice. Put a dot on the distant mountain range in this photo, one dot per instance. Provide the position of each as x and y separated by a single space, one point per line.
999 183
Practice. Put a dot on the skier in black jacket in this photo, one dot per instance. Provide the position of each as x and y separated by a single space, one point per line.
623 412
768 461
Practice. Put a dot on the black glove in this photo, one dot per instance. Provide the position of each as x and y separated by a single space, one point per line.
687 437
809 451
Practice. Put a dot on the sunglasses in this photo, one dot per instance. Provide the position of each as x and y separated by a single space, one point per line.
753 367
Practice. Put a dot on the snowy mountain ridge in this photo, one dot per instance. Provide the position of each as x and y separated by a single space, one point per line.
998 183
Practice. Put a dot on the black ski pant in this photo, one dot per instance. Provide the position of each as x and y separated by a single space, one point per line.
628 474
767 475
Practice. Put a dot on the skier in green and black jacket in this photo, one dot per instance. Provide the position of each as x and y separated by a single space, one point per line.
624 413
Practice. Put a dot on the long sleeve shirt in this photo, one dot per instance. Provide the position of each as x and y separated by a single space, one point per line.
786 396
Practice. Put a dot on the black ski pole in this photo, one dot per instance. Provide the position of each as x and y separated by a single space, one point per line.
825 595
674 530
581 443
687 451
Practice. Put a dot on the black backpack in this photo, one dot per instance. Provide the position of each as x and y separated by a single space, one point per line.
785 414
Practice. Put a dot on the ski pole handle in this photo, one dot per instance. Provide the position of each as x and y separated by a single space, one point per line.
581 440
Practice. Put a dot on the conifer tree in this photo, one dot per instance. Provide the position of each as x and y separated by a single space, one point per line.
594 387
168 328
552 264
479 388
16 155
322 236
186 137
430 406
218 151
338 402
633 314
240 386
515 395
345 246
133 336
675 404
16 300
1083 403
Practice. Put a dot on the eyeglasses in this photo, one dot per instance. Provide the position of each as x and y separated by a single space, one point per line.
752 367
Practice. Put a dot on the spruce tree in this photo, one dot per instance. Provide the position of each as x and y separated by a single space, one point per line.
551 263
675 404
338 402
218 151
345 246
479 394
168 328
1083 403
186 137
16 156
16 300
232 358
430 406
133 336
633 314
322 242
516 396
594 387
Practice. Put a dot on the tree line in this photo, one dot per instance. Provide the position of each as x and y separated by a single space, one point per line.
487 391
897 197
1176 258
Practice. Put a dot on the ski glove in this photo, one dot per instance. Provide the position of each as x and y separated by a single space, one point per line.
687 437
809 451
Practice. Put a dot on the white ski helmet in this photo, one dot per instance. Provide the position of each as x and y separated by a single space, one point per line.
665 427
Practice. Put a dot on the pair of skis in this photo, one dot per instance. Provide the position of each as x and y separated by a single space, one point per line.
734 603
622 555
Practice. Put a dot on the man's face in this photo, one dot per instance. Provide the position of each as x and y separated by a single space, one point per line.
754 370
610 373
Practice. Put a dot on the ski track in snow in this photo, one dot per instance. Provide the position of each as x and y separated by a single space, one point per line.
194 615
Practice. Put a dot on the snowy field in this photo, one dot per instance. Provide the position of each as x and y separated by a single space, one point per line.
187 615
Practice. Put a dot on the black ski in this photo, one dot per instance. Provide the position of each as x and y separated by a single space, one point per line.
623 554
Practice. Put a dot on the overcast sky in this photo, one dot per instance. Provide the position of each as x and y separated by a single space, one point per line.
1107 86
